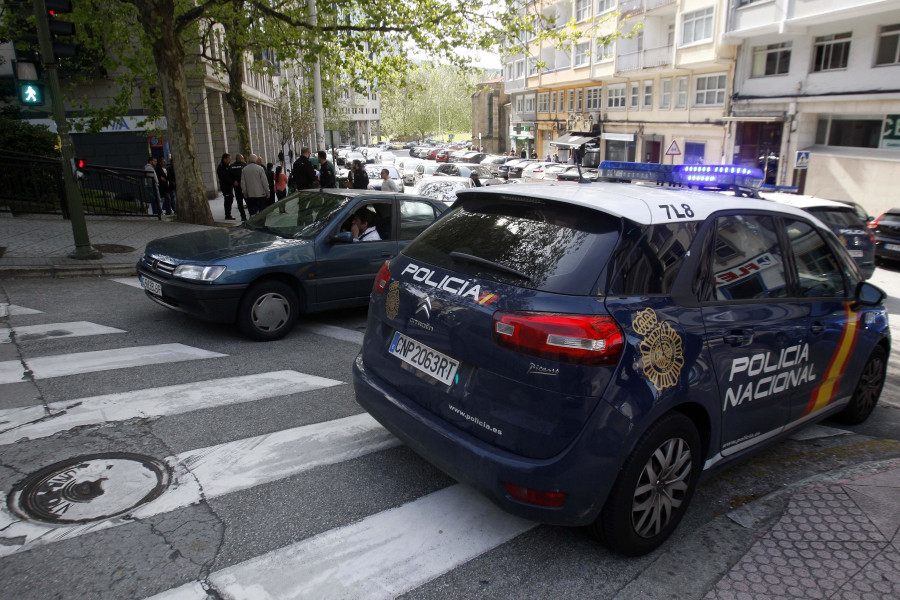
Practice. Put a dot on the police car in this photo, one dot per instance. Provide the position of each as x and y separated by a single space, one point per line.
843 220
585 354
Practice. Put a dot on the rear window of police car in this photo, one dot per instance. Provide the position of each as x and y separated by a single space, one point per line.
535 244
838 217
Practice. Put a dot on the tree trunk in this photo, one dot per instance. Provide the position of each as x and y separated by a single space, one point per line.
235 95
157 18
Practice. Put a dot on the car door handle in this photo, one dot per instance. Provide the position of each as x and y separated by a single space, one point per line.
385 254
738 337
817 328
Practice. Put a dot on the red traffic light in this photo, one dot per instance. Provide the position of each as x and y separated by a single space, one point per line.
80 163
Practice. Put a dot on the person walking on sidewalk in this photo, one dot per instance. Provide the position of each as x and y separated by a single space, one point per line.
388 184
281 181
255 186
236 169
165 187
151 183
270 176
226 184
326 171
303 174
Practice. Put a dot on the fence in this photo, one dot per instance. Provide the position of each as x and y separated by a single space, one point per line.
34 185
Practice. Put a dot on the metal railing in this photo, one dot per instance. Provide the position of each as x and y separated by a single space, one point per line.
645 59
34 185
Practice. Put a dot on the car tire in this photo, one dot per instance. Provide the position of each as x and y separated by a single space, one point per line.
868 389
268 310
642 511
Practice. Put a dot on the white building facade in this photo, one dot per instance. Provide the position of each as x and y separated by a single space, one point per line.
819 80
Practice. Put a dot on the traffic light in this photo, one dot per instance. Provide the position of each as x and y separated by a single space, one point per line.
80 163
31 93
60 29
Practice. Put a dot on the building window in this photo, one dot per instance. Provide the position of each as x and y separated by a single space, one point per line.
532 66
681 89
648 95
888 52
665 98
710 90
520 69
697 26
520 104
774 59
582 54
856 131
605 5
830 52
694 153
582 10
633 96
553 101
571 100
544 102
615 96
529 104
592 98
604 52
562 101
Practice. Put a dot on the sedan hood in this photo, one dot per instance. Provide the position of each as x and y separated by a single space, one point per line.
216 244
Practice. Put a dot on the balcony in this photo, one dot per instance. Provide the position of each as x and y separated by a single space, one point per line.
635 7
646 59
514 85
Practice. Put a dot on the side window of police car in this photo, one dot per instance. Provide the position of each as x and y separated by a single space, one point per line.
415 217
747 262
818 269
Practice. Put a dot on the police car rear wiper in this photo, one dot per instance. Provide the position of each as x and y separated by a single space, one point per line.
488 263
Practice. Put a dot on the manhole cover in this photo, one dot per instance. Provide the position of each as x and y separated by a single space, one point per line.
89 488
114 248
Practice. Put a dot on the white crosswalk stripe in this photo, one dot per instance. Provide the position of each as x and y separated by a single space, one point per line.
129 281
45 367
380 557
224 469
30 333
7 309
34 421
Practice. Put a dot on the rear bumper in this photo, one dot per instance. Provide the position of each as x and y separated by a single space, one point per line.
585 471
214 303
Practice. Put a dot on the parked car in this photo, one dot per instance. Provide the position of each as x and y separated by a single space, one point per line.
351 156
504 168
443 155
443 188
514 169
295 256
886 230
493 163
571 174
386 157
843 220
471 157
426 169
536 170
432 154
552 171
464 170
407 169
585 355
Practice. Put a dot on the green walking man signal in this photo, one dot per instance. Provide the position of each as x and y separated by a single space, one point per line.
31 93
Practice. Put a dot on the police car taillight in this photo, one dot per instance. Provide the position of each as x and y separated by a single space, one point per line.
382 279
581 339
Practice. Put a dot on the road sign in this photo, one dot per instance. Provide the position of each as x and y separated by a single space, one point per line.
31 93
890 133
802 161
450 136
673 150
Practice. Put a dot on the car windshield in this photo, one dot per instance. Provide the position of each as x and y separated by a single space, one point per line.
300 216
838 217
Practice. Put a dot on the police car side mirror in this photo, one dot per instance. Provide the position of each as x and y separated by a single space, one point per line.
344 237
869 295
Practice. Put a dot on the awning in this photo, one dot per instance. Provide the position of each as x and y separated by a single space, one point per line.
572 140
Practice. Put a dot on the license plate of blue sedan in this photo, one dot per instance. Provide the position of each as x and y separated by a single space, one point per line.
154 287
425 359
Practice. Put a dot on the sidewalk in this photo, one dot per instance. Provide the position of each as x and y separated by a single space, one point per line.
39 245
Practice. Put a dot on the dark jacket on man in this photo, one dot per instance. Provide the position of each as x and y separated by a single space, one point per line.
226 183
235 169
326 175
360 179
303 174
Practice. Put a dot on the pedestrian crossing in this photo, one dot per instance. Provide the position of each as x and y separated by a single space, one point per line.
381 555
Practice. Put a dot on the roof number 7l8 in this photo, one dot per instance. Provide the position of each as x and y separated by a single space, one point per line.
688 213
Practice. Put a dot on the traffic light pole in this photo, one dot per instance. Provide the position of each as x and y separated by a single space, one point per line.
83 248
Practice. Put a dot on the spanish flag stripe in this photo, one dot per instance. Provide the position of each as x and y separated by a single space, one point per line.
826 392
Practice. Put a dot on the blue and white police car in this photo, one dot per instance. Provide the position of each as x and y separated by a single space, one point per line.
585 354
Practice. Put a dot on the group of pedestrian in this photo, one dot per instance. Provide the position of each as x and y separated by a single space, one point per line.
160 183
304 175
250 183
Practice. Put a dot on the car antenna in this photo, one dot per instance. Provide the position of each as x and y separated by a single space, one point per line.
581 178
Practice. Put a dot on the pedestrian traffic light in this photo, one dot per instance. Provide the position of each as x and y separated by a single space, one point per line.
31 93
80 163
60 29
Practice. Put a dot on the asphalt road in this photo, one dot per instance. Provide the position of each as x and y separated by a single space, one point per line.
295 491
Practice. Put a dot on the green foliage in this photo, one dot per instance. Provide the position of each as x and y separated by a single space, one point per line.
22 137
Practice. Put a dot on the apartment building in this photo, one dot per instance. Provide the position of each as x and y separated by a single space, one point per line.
819 80
664 84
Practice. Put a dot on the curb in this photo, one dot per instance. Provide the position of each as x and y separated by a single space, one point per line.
707 554
65 271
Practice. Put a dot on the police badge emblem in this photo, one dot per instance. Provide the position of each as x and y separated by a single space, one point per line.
392 303
661 349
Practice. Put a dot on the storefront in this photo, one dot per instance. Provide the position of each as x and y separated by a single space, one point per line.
521 137
619 146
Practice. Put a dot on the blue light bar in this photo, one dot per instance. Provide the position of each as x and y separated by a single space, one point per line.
634 171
